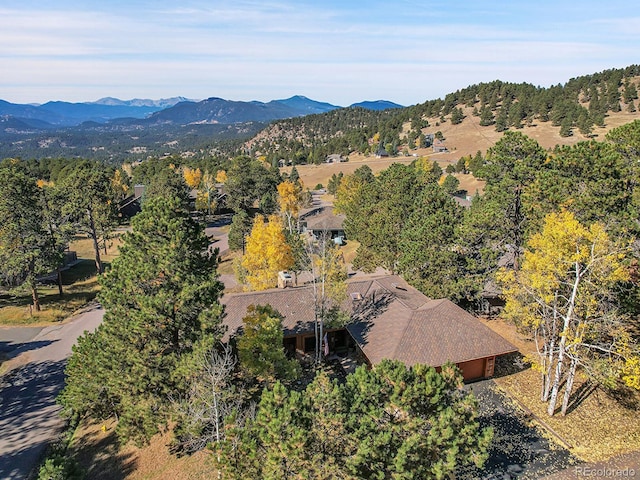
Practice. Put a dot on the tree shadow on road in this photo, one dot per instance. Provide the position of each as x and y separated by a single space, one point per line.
29 417
10 348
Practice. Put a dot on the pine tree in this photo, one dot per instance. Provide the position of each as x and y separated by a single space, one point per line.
161 300
260 346
239 229
25 247
90 202
427 259
386 422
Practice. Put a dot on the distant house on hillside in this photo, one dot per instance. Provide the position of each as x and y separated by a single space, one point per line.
428 139
390 319
381 152
463 199
439 146
335 158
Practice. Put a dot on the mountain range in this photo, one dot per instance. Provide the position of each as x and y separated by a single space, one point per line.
173 111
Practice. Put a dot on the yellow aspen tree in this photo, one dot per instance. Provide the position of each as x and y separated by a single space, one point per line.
128 169
290 200
562 295
267 252
326 264
192 176
206 199
221 176
119 182
347 194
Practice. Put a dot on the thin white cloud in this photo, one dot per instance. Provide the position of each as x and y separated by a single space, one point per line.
406 51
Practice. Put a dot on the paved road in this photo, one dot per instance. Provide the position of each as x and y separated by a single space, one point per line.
218 229
29 417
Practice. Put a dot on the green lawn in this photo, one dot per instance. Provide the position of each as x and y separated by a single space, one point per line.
80 286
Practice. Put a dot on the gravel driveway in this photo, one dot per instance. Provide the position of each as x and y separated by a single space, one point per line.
519 449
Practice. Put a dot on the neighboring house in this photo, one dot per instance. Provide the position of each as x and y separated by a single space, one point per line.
132 205
439 146
381 152
335 158
463 199
390 319
321 220
428 139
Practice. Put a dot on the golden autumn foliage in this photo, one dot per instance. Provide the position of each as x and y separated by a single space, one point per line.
562 296
290 199
119 182
221 176
267 252
347 193
128 169
206 199
563 243
423 165
192 176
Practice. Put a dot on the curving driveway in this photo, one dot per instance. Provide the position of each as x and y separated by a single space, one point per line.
29 415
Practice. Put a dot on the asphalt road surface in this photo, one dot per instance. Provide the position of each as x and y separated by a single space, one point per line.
29 416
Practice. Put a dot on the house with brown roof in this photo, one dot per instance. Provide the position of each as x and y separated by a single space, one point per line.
389 319
324 221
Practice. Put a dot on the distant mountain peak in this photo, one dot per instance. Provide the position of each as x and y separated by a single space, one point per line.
141 102
306 105
377 105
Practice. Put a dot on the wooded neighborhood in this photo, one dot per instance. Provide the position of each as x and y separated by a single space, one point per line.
370 329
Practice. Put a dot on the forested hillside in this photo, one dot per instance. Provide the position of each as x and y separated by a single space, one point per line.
577 106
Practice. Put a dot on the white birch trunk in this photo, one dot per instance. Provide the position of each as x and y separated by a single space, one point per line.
569 385
563 341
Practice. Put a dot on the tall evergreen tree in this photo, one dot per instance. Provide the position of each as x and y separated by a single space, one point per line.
25 247
90 202
377 215
383 423
427 259
502 213
161 300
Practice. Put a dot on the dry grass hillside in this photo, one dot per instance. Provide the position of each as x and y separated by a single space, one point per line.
463 139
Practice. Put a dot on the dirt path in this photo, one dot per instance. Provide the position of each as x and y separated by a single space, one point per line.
29 415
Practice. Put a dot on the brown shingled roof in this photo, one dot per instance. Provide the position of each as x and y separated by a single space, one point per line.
325 220
390 318
295 305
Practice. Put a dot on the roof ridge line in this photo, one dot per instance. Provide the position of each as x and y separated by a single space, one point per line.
395 296
404 332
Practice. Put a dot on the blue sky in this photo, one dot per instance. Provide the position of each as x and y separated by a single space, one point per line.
336 51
